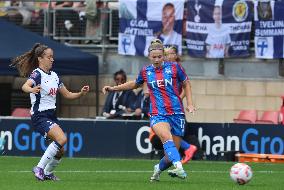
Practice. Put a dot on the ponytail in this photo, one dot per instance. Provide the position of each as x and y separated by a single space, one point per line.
27 62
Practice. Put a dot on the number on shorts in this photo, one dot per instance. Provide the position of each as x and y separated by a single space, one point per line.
182 122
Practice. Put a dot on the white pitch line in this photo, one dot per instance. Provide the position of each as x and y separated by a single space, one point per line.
87 171
139 171
203 162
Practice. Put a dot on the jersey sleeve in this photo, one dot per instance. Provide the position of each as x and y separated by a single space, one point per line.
60 83
35 76
140 79
182 76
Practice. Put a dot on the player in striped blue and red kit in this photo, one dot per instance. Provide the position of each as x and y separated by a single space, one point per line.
164 81
43 85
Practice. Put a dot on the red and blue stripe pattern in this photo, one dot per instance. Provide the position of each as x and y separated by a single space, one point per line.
164 84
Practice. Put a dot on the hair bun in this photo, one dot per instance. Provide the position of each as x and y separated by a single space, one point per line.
156 41
36 45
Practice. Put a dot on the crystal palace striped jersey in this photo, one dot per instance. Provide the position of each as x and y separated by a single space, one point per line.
164 84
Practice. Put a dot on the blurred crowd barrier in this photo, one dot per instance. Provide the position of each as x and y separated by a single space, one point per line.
85 23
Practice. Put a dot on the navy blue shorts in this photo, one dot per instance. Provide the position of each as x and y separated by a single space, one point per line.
43 121
176 121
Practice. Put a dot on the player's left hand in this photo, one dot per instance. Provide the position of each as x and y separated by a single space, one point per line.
191 109
85 90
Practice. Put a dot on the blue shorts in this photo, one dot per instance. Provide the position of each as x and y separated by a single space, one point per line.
176 121
43 121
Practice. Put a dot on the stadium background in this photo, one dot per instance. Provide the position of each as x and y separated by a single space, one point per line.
221 88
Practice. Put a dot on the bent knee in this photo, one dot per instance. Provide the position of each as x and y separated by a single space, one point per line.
165 137
62 141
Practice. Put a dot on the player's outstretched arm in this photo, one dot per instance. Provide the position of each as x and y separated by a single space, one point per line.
125 86
73 95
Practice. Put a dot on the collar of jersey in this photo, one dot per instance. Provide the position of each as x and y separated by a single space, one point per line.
160 67
49 73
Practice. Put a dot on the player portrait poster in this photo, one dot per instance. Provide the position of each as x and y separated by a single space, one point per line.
140 21
269 29
218 28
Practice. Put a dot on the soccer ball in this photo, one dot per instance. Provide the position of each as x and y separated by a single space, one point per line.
241 173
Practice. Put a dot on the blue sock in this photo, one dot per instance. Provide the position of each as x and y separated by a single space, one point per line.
171 151
164 164
184 145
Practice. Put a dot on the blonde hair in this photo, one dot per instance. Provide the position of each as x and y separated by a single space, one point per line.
156 44
172 47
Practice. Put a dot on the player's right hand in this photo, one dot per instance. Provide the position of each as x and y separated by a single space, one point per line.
36 89
106 89
191 109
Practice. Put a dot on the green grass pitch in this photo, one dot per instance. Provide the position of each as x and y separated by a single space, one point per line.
133 174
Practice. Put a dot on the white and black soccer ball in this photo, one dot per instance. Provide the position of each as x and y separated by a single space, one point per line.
241 173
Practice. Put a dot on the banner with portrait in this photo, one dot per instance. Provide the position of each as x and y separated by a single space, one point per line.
218 28
143 20
269 29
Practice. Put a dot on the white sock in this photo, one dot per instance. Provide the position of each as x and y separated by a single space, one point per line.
157 169
50 152
178 165
49 168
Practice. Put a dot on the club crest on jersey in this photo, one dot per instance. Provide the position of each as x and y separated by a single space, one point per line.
34 75
168 71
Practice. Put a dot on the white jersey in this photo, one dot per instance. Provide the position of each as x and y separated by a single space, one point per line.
217 40
46 98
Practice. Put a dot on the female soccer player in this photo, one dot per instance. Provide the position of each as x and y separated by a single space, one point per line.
171 55
164 81
43 85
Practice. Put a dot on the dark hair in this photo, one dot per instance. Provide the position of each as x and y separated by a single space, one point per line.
27 62
168 5
264 10
120 72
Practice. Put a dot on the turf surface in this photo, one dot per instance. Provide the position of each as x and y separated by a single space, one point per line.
127 174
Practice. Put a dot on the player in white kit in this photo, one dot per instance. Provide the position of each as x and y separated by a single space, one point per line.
43 85
218 40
